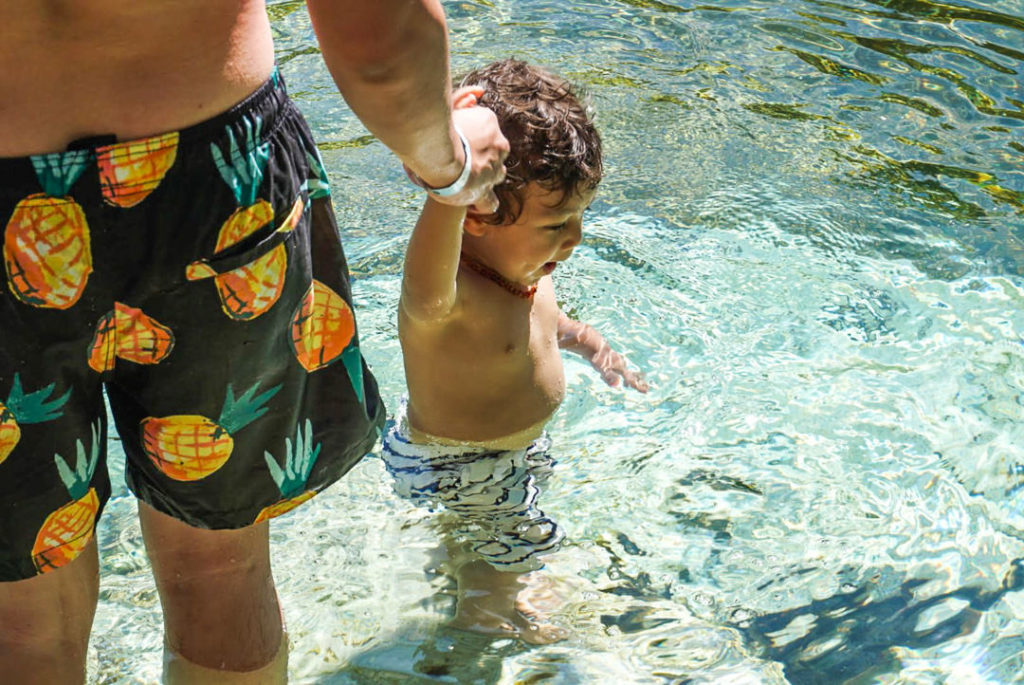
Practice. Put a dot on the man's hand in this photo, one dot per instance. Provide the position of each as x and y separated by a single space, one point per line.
488 150
389 59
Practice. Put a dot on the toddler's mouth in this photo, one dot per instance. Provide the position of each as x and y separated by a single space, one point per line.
549 267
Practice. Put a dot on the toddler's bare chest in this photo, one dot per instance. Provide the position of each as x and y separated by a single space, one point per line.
529 336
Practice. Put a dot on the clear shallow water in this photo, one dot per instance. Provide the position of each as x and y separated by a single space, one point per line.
811 237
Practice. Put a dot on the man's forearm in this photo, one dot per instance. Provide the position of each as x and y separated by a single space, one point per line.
389 59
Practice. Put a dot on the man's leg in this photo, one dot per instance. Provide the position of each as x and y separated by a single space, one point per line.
45 622
220 607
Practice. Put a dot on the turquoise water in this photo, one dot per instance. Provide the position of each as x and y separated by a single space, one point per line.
811 238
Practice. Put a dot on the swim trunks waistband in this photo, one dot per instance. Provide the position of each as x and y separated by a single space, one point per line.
269 104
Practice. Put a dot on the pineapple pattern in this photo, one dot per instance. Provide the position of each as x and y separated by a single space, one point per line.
318 184
130 171
95 241
23 408
291 480
189 447
250 290
66 531
47 249
129 334
323 331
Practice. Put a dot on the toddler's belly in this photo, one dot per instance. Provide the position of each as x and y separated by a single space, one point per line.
520 439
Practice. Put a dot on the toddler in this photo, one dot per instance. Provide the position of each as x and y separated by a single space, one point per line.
480 331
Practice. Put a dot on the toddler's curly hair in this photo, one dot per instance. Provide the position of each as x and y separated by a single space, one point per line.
549 129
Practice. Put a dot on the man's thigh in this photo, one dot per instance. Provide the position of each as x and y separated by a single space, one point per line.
236 379
53 476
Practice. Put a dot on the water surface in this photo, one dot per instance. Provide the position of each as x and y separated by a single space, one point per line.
811 237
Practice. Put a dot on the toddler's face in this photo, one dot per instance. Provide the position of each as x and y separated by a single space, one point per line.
544 234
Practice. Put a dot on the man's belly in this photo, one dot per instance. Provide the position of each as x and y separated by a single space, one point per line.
74 69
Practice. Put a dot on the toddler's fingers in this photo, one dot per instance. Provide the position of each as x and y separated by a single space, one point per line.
486 204
466 96
636 381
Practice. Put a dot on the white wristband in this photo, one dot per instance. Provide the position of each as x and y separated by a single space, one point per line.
458 184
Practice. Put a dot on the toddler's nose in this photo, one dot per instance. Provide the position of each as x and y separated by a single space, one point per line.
573 235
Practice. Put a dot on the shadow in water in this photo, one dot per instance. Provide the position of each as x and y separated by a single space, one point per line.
445 656
851 635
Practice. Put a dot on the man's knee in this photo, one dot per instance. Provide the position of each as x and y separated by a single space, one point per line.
217 592
178 669
46 622
184 556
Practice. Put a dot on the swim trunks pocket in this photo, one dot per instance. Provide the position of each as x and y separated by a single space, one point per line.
256 244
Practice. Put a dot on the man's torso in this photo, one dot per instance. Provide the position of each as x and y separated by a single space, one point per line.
73 68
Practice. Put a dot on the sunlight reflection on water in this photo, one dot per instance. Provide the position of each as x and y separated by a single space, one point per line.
810 238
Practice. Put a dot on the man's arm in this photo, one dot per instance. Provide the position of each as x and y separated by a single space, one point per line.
432 257
389 59
587 342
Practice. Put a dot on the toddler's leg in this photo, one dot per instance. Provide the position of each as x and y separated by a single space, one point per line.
500 602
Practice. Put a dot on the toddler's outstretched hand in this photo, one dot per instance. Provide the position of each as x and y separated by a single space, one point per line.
612 366
586 341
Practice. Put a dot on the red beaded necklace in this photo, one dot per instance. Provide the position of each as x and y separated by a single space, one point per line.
524 291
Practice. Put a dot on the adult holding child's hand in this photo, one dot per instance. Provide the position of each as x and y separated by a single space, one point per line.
378 49
156 178
484 149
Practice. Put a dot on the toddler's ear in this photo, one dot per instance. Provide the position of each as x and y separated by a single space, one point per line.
473 225
466 96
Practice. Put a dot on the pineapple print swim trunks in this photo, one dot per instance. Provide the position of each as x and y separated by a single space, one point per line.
197 277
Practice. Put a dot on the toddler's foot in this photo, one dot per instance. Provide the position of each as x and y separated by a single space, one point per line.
528 628
500 604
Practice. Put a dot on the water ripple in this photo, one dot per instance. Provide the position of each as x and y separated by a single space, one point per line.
811 239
